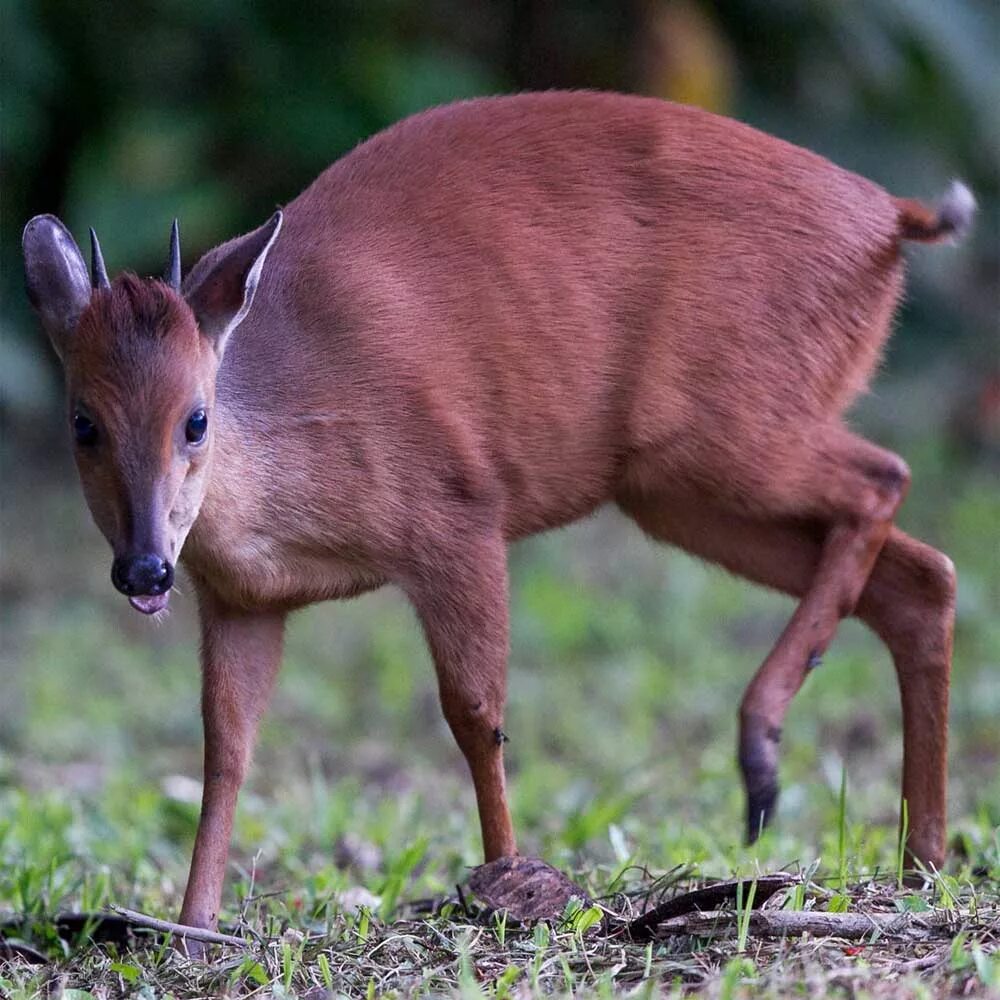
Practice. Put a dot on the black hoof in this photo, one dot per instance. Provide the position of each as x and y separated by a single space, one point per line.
759 765
761 803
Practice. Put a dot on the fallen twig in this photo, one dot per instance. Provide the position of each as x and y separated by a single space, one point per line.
935 958
180 930
709 897
792 923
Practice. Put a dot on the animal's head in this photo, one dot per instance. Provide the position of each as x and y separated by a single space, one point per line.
140 358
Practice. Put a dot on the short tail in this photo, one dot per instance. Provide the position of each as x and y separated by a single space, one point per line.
951 220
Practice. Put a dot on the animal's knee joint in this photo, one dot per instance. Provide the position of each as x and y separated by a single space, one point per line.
894 479
888 482
942 580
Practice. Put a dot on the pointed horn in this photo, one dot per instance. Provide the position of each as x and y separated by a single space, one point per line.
172 275
98 272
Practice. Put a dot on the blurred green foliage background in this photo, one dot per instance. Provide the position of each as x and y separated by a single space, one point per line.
627 662
122 116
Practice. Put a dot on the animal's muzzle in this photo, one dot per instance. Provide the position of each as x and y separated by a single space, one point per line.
145 574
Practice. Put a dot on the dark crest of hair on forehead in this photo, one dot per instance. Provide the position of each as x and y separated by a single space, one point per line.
134 306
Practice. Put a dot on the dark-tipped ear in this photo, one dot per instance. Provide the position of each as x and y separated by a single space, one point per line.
221 286
55 277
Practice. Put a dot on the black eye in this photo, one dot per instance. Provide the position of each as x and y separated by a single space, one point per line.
84 430
196 426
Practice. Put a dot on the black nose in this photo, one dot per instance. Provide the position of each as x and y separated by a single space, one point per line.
146 574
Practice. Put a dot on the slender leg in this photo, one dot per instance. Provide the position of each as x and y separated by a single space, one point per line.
862 491
825 558
241 653
910 603
462 603
844 567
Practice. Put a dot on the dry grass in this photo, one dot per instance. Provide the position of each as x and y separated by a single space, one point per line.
943 944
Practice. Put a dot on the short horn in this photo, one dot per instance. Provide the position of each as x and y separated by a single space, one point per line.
98 272
172 275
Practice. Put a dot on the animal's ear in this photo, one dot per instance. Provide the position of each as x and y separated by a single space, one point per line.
221 286
55 277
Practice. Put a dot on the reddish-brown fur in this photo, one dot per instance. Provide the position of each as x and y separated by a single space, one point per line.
486 322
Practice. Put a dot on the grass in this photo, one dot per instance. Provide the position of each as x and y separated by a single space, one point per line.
627 666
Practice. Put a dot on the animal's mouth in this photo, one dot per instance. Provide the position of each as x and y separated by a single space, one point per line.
145 579
149 604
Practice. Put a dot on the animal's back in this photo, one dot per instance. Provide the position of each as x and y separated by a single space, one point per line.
518 294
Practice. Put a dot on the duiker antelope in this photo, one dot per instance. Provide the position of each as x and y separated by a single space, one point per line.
485 322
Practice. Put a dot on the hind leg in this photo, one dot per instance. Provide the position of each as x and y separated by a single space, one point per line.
910 604
824 552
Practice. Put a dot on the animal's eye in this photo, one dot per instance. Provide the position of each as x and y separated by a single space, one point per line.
84 430
196 427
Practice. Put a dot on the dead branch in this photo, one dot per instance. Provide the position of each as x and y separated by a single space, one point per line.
793 923
180 930
709 897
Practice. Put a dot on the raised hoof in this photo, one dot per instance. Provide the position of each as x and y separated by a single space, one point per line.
759 766
761 803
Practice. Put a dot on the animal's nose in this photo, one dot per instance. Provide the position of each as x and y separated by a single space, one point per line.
142 574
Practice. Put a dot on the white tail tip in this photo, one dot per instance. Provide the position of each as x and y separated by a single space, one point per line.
956 210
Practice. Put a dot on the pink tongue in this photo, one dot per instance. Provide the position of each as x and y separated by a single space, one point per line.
149 604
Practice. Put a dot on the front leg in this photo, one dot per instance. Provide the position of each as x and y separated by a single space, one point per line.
462 603
241 652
